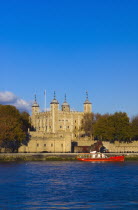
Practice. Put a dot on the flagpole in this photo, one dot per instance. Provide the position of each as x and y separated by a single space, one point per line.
45 100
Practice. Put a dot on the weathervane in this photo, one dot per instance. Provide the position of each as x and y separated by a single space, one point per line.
54 95
86 95
65 98
35 97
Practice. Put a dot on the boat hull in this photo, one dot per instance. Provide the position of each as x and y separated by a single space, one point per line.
108 159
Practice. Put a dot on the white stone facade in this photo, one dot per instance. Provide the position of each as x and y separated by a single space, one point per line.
55 130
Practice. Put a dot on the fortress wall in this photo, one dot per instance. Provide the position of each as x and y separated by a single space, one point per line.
61 142
64 145
85 142
47 144
121 147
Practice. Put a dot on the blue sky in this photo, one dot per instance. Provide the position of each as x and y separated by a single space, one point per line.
70 46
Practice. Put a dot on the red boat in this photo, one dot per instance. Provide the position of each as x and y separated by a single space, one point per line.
99 157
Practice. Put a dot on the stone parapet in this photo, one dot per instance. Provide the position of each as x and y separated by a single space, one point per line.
121 147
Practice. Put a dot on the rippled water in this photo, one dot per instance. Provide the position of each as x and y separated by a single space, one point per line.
68 185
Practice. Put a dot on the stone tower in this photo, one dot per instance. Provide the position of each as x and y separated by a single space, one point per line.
35 107
65 106
87 105
54 113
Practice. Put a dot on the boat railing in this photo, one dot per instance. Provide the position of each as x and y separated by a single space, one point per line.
92 155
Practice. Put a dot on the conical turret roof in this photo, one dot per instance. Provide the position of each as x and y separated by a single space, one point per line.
87 100
35 104
54 101
65 102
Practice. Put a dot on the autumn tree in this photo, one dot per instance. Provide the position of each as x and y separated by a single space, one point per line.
13 127
88 121
25 121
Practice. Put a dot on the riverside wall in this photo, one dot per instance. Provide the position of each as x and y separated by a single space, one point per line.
7 157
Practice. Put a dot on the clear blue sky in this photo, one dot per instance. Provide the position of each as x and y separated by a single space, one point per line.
71 46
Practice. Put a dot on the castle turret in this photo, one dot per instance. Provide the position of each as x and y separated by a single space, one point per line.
54 110
35 107
54 103
87 105
65 106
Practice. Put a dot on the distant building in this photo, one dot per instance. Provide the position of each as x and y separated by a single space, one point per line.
56 120
56 130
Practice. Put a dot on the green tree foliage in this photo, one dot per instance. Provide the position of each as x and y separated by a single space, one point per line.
120 123
134 128
103 129
108 127
114 127
13 127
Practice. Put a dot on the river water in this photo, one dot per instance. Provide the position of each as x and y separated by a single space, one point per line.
68 185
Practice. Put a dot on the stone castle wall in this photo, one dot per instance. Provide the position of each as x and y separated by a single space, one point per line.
62 142
121 147
47 143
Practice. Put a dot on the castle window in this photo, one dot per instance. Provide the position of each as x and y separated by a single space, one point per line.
75 121
44 145
51 145
37 145
61 126
67 126
61 145
75 127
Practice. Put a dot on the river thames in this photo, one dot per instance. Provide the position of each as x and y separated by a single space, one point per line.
68 185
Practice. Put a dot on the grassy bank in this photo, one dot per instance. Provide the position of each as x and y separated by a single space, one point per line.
4 157
131 158
39 157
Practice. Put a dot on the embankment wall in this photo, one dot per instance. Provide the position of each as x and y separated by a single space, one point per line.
7 157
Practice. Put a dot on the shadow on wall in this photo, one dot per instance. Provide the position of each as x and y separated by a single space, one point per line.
73 145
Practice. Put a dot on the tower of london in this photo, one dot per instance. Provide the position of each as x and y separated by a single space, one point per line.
58 120
56 129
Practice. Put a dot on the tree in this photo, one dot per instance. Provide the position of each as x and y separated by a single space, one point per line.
25 121
134 128
87 124
103 129
114 127
12 127
121 124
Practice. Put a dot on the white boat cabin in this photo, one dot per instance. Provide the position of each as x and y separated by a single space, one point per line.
92 155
